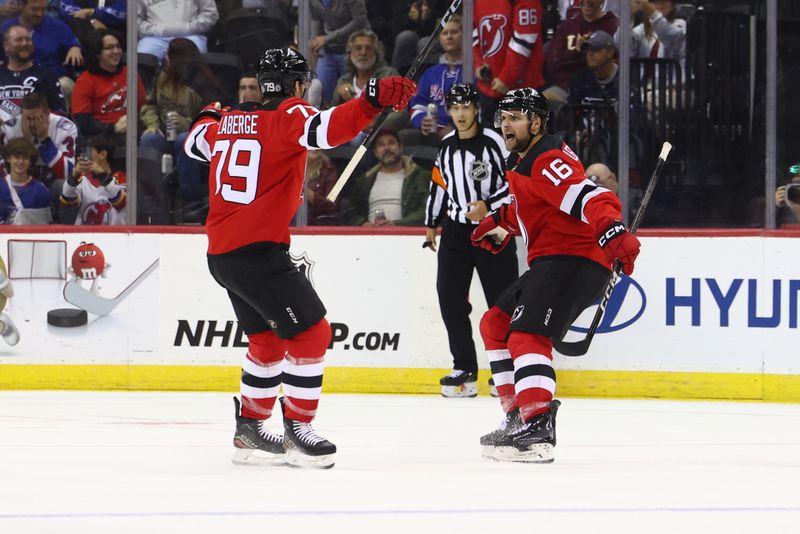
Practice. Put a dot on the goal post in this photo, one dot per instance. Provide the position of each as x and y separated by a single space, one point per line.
37 259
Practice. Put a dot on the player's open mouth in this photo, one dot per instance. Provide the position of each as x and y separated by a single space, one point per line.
509 136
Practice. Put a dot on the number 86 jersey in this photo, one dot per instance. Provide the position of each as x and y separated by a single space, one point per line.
561 212
257 154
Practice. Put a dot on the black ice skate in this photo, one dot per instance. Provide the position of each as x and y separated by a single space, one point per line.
304 447
532 442
459 384
510 423
255 443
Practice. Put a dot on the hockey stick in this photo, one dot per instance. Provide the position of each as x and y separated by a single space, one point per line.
579 348
94 303
412 72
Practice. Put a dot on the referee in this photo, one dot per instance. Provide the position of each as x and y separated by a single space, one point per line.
468 182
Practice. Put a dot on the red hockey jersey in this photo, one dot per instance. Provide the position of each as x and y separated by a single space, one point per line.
509 39
560 211
257 154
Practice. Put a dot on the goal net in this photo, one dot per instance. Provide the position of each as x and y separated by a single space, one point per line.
30 258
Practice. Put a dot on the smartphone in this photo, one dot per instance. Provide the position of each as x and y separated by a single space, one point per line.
87 154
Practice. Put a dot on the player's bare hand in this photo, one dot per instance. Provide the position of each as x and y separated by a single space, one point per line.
430 239
478 211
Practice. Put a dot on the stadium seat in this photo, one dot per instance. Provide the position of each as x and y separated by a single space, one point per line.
148 66
227 68
248 32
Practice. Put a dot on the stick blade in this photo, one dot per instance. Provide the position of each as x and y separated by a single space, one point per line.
86 300
577 348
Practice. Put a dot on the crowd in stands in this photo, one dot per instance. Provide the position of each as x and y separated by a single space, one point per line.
63 90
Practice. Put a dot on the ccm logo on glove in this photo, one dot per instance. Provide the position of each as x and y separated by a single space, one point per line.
611 232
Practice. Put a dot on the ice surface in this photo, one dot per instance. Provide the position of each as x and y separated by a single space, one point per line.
112 462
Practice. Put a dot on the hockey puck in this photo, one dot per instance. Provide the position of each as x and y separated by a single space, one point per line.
67 317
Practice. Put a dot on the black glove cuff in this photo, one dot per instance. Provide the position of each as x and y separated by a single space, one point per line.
216 115
612 232
371 92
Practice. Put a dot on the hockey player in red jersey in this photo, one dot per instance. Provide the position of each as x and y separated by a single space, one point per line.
257 154
574 233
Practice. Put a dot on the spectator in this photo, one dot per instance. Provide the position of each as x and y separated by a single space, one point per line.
8 9
54 137
599 78
364 54
790 199
160 22
600 174
94 190
83 16
321 176
249 89
100 102
661 34
564 56
415 21
20 75
23 199
55 47
393 192
436 81
506 55
569 8
182 90
332 22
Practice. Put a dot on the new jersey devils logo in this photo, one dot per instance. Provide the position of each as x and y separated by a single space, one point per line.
97 213
492 34
114 102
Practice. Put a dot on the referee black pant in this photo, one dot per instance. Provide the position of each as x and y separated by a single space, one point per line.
457 259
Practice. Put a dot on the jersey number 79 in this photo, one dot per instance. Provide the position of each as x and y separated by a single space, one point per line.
230 171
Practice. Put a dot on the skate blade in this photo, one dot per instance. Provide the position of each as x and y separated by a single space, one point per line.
304 461
469 389
537 454
257 457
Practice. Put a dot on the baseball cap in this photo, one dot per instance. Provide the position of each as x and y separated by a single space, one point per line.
388 131
599 39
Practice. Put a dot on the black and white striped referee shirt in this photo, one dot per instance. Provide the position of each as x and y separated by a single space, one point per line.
472 169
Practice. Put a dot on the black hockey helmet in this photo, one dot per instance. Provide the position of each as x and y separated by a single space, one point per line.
461 93
279 68
528 100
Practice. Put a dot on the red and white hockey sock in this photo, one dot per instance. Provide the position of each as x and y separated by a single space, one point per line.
534 375
494 327
261 374
302 372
